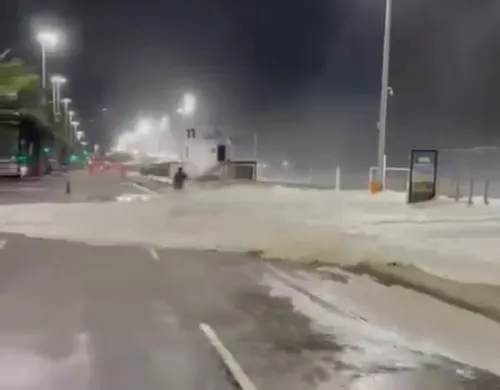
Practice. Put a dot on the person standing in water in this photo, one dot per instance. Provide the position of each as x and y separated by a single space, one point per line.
179 179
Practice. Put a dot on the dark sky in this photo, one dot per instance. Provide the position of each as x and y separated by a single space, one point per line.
304 74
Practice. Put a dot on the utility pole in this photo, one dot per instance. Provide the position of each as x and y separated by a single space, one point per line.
384 93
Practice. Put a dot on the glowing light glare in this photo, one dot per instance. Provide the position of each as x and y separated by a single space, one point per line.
144 126
79 135
49 39
23 170
57 79
285 163
75 123
164 122
66 100
189 104
125 141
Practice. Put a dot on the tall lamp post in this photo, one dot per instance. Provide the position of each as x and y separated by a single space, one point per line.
384 94
48 40
66 102
74 129
57 81
71 115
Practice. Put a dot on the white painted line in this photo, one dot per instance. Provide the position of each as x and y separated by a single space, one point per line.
234 368
3 243
154 254
145 189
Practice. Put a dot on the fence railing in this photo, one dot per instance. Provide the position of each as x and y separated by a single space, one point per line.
472 173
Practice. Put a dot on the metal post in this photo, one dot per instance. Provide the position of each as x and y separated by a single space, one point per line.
44 67
471 191
457 190
382 124
337 178
54 97
67 131
384 173
255 147
68 187
486 191
58 98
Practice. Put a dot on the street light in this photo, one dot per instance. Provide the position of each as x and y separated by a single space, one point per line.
384 93
48 40
73 127
67 120
80 135
57 81
188 105
66 102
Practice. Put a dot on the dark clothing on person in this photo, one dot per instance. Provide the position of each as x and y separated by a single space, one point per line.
179 179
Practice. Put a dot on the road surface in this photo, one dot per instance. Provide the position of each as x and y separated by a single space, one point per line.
75 186
76 316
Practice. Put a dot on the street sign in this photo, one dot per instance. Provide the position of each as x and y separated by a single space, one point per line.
423 175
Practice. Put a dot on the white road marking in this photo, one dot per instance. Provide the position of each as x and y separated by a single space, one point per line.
234 368
145 189
154 254
3 243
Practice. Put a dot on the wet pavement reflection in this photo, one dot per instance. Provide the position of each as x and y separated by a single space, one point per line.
114 318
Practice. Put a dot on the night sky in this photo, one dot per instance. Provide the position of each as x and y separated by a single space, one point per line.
304 74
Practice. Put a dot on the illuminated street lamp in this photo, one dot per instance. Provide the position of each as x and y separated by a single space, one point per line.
67 120
385 91
48 40
188 105
66 102
57 81
73 128
79 135
75 125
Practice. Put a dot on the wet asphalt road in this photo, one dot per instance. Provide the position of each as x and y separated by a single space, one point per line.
75 316
83 187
